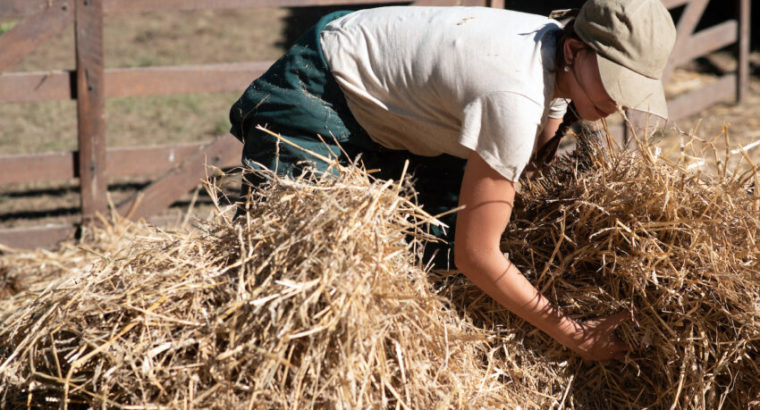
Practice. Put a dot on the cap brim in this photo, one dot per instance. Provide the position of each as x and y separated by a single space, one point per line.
631 89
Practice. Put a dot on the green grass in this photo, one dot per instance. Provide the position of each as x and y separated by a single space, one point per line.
222 125
5 27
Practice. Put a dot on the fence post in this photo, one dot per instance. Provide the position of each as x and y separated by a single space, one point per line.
91 107
742 68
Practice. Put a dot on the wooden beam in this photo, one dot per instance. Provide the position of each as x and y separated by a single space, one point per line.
690 18
49 236
124 161
441 3
130 82
134 6
91 107
133 82
706 41
742 68
671 4
26 87
684 29
155 160
11 9
23 8
182 179
47 167
33 31
36 236
723 89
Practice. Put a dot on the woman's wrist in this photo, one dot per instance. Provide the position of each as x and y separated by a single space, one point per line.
570 334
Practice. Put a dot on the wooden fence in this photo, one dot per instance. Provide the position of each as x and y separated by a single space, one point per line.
183 165
691 45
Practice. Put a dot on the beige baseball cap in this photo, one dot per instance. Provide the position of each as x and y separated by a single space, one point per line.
632 40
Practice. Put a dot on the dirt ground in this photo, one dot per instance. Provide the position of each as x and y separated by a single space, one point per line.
152 39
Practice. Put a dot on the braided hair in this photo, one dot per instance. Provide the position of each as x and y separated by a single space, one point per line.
548 151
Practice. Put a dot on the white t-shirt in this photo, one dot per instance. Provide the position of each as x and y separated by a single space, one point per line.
453 80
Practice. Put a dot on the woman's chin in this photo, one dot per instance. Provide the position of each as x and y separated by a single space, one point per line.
590 116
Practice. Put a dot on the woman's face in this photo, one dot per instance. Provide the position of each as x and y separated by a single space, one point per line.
585 87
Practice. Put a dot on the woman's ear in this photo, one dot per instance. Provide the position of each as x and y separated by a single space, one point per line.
571 49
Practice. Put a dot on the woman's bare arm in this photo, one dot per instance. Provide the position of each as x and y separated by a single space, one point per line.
488 199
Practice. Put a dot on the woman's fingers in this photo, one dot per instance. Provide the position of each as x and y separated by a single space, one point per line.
620 356
613 321
620 347
601 343
617 346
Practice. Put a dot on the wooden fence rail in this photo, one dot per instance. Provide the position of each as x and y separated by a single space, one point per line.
182 165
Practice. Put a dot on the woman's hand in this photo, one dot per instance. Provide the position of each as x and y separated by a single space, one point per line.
596 340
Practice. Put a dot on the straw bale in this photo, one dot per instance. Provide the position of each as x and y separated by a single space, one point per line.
313 299
8 285
601 233
316 298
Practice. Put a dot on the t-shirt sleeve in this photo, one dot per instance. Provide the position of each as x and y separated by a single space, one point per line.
501 128
557 108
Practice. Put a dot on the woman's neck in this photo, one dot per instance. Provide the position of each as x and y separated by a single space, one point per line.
560 84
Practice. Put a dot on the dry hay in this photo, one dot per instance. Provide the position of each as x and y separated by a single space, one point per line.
604 233
315 300
8 285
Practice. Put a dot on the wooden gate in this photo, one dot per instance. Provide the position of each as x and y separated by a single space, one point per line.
183 165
